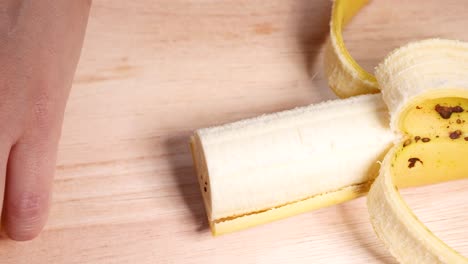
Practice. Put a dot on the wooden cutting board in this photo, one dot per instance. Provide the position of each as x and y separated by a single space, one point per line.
152 71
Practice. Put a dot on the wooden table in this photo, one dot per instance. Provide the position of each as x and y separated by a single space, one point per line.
153 71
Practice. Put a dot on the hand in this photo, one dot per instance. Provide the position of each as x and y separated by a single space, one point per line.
40 43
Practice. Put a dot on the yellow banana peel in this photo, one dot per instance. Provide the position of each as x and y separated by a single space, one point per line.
345 77
425 86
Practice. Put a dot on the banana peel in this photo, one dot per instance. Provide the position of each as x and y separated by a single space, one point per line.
425 86
259 170
345 76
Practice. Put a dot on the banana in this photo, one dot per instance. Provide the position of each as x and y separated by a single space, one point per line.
263 169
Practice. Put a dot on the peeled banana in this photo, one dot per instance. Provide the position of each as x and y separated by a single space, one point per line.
274 166
277 165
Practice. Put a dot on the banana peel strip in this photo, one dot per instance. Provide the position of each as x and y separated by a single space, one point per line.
423 84
345 77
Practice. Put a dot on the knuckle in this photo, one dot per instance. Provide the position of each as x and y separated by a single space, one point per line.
43 111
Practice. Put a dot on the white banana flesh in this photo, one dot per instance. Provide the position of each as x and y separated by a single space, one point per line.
262 164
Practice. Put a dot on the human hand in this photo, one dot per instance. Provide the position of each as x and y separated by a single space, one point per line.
40 43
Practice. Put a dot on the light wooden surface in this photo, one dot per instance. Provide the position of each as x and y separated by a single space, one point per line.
153 71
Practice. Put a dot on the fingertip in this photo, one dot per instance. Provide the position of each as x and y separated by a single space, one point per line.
25 216
30 171
22 236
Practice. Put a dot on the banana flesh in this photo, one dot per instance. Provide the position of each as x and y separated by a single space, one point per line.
262 169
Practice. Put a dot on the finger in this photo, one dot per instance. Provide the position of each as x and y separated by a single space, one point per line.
30 173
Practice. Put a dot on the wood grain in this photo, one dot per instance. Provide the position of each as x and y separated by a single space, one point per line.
153 71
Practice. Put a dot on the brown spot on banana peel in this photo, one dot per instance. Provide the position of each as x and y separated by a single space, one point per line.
425 140
417 138
446 111
412 162
455 134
